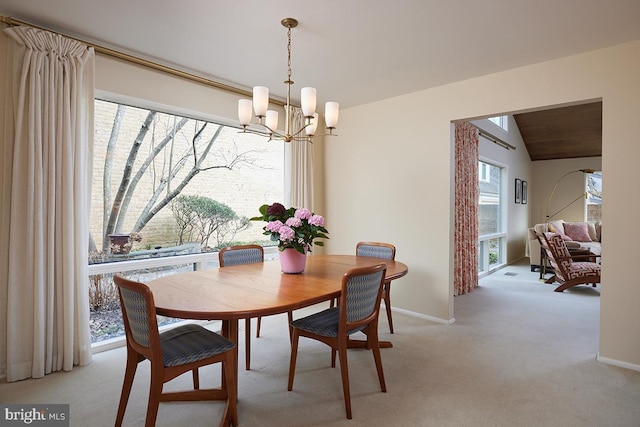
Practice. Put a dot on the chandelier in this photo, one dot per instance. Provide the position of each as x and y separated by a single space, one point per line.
268 119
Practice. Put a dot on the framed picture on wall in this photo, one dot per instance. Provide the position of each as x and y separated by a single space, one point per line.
523 196
518 194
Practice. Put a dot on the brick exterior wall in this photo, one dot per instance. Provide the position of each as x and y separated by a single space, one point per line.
248 185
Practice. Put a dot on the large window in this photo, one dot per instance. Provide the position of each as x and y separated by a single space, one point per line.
500 121
166 185
492 238
594 196
176 180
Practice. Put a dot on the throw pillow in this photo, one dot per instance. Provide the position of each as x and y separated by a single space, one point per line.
591 228
592 231
557 226
577 231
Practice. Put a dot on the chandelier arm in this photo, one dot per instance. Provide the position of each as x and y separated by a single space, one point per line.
309 137
270 134
299 131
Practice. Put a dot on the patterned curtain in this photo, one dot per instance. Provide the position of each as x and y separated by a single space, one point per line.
465 275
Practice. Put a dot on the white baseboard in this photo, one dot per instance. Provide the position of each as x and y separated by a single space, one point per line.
618 363
424 316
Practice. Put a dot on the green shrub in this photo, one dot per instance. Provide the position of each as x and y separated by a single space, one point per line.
199 218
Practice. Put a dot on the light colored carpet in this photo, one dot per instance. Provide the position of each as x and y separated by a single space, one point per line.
519 354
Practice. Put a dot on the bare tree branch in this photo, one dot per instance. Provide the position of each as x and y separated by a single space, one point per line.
108 163
169 172
149 212
143 168
126 175
106 177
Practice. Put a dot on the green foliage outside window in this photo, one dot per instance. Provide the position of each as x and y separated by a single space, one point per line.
199 218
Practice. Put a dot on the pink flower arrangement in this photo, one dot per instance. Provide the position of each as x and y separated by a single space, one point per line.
295 228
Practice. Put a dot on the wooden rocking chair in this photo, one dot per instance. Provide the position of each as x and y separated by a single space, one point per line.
567 270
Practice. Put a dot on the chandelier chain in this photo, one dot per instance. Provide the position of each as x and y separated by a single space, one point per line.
289 56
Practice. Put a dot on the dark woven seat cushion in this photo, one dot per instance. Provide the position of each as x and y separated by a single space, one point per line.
324 323
190 343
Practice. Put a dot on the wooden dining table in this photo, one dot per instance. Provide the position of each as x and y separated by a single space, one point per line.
259 289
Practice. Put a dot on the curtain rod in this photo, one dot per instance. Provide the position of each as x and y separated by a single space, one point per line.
495 139
144 62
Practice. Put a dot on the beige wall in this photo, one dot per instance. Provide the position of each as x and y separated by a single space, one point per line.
157 90
392 181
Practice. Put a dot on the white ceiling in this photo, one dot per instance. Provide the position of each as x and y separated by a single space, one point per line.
352 51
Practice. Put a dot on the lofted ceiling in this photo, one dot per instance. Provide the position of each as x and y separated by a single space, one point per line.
354 52
562 133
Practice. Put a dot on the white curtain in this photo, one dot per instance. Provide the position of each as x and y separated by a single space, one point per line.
48 154
301 185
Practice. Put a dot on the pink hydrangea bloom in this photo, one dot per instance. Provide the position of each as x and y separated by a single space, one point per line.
274 226
293 222
286 233
302 213
317 220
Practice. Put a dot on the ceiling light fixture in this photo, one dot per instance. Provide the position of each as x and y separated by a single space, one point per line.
268 119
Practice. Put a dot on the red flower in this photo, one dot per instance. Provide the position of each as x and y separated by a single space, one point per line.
276 209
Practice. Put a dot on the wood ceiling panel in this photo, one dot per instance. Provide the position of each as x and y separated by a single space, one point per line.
562 133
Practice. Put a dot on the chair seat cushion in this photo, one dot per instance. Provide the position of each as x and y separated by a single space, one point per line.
190 343
582 269
324 323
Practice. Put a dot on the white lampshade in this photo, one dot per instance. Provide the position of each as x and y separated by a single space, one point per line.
331 110
308 101
244 111
311 129
272 120
260 100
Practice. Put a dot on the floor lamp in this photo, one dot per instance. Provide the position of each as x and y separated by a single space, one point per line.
555 187
543 261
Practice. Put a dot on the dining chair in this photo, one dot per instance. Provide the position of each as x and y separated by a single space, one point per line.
385 251
236 255
357 311
566 269
171 354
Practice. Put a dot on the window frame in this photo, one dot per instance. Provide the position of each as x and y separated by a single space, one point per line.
494 242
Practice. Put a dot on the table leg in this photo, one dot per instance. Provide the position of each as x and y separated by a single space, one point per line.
230 331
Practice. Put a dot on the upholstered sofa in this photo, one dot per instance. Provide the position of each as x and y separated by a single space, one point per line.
576 235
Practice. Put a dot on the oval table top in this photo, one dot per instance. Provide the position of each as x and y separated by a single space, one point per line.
258 289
